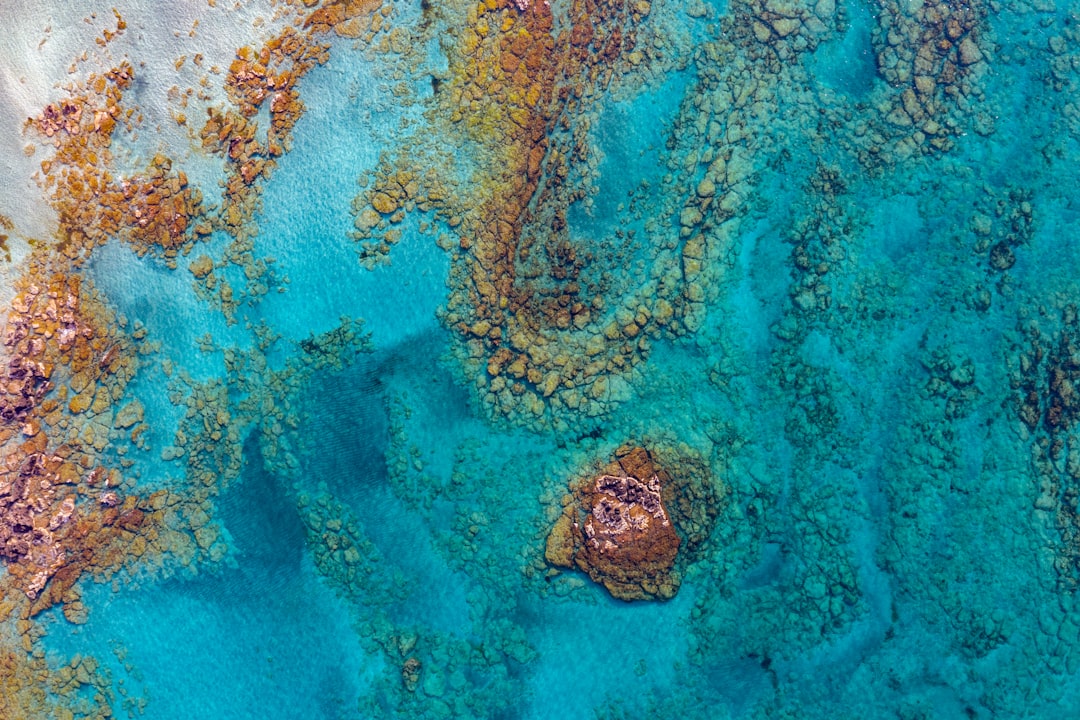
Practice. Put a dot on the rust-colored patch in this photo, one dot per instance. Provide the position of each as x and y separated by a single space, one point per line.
618 531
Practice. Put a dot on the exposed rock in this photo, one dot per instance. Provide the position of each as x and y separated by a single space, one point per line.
619 532
30 519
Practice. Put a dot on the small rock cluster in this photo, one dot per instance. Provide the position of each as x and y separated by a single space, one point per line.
33 687
258 78
1003 225
1044 378
934 56
153 211
786 27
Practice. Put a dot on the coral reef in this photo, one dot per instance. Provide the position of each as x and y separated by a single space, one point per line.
781 234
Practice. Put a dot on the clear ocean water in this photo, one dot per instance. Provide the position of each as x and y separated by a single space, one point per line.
843 233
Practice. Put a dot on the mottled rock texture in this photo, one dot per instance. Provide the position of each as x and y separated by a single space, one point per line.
618 531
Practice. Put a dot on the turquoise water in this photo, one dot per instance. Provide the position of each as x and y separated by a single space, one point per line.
891 539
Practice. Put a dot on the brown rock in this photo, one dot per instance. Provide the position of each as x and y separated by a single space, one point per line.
619 532
75 612
201 266
560 542
384 203
81 402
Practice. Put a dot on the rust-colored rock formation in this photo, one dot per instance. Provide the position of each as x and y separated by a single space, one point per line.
532 326
619 532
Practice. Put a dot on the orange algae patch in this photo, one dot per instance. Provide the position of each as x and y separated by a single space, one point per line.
162 207
336 15
107 36
261 79
66 514
5 224
489 100
57 321
255 78
30 688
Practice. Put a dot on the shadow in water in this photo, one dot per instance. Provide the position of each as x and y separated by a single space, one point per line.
268 537
347 434
348 439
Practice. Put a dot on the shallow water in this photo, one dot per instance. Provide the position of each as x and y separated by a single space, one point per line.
816 258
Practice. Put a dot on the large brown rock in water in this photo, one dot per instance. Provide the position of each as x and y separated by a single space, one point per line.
618 531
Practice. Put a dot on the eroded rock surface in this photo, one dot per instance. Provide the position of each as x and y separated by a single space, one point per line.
618 531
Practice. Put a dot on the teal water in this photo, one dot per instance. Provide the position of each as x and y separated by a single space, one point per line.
893 541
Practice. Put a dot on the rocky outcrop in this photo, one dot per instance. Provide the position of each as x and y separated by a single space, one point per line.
618 531
30 518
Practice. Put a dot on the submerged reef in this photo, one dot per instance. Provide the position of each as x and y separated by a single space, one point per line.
534 332
934 56
74 502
